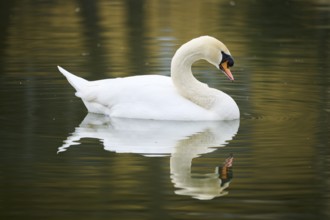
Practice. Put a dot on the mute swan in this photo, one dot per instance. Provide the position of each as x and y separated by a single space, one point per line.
179 97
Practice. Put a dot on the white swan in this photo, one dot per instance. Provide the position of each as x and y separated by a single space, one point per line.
179 97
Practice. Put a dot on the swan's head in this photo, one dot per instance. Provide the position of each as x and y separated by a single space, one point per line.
216 53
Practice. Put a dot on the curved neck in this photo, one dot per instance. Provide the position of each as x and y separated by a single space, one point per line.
184 81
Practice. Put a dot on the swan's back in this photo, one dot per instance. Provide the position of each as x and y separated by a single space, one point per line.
144 97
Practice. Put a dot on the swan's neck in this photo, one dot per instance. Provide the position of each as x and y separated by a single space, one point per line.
183 79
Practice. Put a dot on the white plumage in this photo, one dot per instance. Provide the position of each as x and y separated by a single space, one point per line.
179 97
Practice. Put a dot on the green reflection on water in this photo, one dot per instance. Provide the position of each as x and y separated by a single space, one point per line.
281 49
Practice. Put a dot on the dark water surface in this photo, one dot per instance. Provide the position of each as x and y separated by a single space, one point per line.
57 162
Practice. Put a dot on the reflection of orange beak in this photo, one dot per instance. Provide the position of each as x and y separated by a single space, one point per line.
226 70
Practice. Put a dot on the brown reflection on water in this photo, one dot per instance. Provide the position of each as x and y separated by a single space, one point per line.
281 49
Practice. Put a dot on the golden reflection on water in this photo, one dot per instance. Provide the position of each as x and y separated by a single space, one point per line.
281 52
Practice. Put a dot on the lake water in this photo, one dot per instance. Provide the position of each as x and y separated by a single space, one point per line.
58 162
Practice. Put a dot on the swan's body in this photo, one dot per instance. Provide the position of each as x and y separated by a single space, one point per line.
179 97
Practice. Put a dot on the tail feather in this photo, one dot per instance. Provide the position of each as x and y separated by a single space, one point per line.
77 82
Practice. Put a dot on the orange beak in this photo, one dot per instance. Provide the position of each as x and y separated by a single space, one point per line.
224 67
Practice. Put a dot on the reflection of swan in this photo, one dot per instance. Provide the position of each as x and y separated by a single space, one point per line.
182 140
179 97
199 186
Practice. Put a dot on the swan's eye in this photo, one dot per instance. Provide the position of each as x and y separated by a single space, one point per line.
228 58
